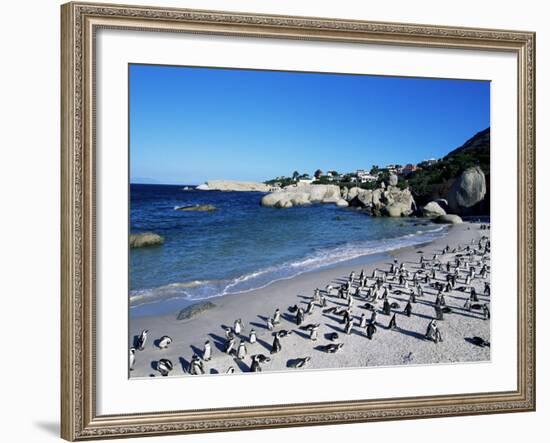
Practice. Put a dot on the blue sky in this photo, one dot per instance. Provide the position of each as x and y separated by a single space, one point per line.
189 125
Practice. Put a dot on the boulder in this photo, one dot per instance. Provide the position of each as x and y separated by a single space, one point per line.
352 193
233 185
443 203
393 180
448 218
432 209
194 310
393 210
301 195
342 203
467 191
197 208
203 187
145 239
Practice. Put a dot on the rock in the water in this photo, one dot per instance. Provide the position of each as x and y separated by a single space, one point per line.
145 239
301 195
232 185
393 180
467 191
342 203
432 209
197 208
393 210
448 218
194 310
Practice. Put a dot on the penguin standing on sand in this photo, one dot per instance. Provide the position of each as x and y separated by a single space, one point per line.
269 323
363 321
252 337
486 312
408 309
230 345
386 308
310 306
323 301
238 326
142 339
313 333
487 289
276 347
230 370
371 329
196 366
438 312
277 316
207 351
473 295
255 366
349 326
132 361
241 350
300 316
393 323
373 317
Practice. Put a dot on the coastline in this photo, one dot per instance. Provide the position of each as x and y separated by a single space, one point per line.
403 346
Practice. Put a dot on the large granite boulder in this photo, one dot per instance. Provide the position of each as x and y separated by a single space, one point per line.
233 185
467 192
145 239
432 209
300 195
449 219
392 181
392 202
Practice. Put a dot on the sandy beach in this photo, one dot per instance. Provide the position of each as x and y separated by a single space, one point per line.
405 344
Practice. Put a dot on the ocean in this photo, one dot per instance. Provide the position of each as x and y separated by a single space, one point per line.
243 246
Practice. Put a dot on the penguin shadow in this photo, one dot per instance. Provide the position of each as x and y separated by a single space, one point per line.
413 334
156 343
258 325
336 328
301 333
289 317
185 365
219 342
242 365
214 371
135 341
416 314
154 365
263 343
464 313
305 297
197 351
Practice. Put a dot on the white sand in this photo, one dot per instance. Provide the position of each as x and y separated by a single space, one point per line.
406 345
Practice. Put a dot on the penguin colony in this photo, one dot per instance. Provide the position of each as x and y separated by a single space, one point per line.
362 305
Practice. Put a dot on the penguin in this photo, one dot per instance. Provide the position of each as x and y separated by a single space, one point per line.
332 336
252 337
255 366
486 312
228 334
230 370
238 326
371 329
299 362
373 317
300 316
230 345
478 341
331 310
277 316
142 339
332 347
310 306
164 366
132 357
197 367
386 308
241 350
328 289
487 289
438 312
282 333
164 342
393 323
323 301
293 309
270 324
276 347
349 326
430 330
363 321
369 306
395 305
262 358
207 351
408 309
313 333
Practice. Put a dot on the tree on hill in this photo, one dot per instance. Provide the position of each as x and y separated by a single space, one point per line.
317 174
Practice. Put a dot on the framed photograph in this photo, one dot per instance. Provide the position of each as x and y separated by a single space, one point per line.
277 221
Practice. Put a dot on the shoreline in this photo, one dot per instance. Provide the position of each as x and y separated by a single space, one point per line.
388 348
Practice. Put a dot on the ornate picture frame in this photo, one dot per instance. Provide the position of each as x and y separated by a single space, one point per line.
80 22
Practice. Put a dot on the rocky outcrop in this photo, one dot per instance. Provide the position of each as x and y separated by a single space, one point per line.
231 185
392 181
197 208
433 209
391 202
301 195
449 219
467 192
145 239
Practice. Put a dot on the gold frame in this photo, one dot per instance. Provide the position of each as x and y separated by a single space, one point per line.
79 21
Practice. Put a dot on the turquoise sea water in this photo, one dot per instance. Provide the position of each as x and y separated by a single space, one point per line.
243 246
